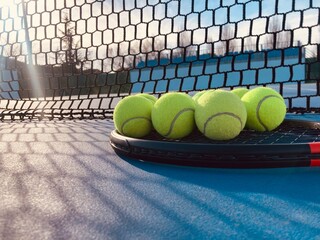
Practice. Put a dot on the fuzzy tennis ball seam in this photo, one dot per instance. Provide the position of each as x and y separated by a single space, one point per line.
130 119
175 119
259 106
221 114
132 116
173 115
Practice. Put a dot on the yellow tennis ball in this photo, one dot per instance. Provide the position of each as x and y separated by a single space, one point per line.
197 95
173 115
200 94
148 96
220 115
240 91
132 116
266 109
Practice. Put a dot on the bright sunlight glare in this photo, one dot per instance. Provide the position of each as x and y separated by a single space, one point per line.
7 3
12 5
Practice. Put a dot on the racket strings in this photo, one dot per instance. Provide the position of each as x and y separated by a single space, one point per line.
284 134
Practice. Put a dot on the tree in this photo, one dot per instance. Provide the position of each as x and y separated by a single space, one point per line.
184 47
10 48
227 43
69 56
228 38
250 43
277 37
119 57
147 49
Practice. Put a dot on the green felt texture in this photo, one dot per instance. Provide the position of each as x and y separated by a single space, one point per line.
173 115
240 91
265 107
152 98
220 115
132 116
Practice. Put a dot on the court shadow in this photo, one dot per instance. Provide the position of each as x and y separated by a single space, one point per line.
62 180
255 202
288 182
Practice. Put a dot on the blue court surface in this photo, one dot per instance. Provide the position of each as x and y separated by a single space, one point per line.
62 180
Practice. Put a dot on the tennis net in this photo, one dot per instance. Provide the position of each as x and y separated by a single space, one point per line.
77 59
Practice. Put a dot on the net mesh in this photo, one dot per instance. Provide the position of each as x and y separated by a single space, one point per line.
287 133
77 59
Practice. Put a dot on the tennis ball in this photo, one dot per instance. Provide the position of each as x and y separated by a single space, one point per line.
173 115
266 109
220 115
132 116
148 96
199 94
240 91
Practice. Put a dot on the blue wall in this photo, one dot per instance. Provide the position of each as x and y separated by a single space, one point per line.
213 72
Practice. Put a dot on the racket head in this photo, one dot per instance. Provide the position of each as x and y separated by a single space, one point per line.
295 143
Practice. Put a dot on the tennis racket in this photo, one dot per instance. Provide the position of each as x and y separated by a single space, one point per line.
295 143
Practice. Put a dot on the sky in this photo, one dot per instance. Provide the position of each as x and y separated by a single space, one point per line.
109 24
